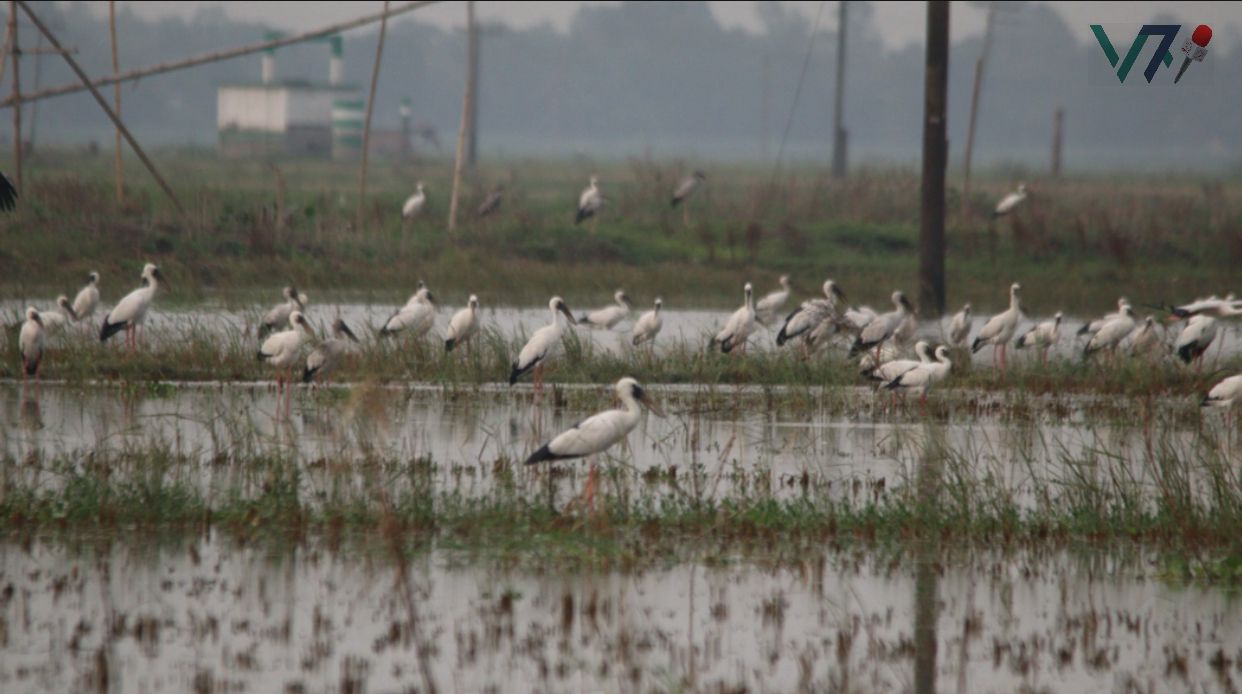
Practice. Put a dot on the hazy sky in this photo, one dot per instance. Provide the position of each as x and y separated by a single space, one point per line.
901 22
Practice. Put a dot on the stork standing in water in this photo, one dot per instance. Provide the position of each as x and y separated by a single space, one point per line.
959 327
1042 337
889 370
541 346
608 317
768 309
331 352
31 342
87 300
1000 329
1195 338
589 204
599 432
415 204
417 316
1111 334
921 378
278 317
648 327
463 326
739 326
283 350
813 313
882 327
1010 202
1223 396
1090 329
56 319
1145 339
131 312
684 190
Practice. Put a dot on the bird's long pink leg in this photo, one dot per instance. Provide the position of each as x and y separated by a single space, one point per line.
590 489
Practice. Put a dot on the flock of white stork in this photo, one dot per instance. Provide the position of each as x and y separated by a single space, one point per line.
879 339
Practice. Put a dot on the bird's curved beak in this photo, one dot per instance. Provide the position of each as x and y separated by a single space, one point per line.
432 298
568 315
160 276
297 298
836 291
38 319
69 309
650 404
307 326
348 333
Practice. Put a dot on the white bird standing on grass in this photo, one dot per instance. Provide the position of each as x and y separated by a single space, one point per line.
1195 338
542 345
959 327
599 432
882 327
325 358
283 350
589 202
739 326
1225 395
1111 334
890 370
278 317
31 342
648 326
1094 326
768 309
56 319
686 188
921 378
1010 202
414 204
87 300
608 317
417 316
131 312
1043 337
463 326
803 321
999 330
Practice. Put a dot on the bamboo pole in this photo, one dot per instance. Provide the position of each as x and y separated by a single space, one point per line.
17 98
77 69
980 66
366 126
840 141
217 56
461 137
935 97
472 85
116 97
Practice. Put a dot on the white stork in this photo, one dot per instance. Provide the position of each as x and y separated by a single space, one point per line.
283 350
87 300
1111 333
889 370
55 320
739 326
648 326
414 204
463 326
1195 339
1043 337
131 312
1146 339
542 345
882 327
959 327
589 202
1225 395
686 188
999 330
31 342
417 316
1094 326
324 359
921 378
767 309
599 432
278 317
811 314
608 317
1010 202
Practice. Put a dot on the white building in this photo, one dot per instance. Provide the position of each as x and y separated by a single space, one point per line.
281 117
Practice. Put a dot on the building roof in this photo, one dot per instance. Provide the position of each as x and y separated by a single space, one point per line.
298 84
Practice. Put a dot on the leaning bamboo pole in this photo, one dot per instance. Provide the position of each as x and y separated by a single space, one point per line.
116 97
366 125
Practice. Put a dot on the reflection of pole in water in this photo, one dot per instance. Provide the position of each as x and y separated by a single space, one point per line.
926 583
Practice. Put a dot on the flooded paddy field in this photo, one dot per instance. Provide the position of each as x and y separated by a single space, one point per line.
204 613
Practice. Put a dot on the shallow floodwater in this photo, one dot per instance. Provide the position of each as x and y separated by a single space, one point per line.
202 613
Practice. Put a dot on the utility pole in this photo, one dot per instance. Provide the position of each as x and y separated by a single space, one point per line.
974 107
472 86
1058 132
931 232
366 126
463 127
840 139
116 97
17 98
